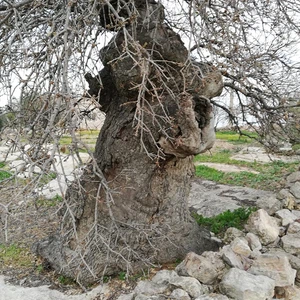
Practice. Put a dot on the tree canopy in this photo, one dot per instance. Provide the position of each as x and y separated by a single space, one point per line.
48 46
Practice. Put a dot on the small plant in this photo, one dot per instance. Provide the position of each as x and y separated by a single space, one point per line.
220 223
65 280
122 275
296 147
40 268
4 174
48 202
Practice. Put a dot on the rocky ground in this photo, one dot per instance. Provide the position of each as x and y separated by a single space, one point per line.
239 260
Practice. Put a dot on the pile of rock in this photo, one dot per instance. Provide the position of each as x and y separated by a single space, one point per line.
261 262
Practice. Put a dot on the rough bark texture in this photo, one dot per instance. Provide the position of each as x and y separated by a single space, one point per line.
138 215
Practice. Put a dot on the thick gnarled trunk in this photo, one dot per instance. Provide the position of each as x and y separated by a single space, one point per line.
130 208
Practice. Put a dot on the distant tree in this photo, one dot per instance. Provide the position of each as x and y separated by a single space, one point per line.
129 207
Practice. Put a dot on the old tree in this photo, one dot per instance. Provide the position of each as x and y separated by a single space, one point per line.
128 208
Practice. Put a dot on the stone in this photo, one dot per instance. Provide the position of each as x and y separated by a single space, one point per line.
296 213
282 231
232 233
253 241
240 246
126 296
163 277
150 288
294 260
212 297
291 243
292 178
286 216
217 198
179 294
255 253
264 226
269 203
191 285
207 267
238 284
293 228
283 194
295 190
276 267
231 258
154 297
287 293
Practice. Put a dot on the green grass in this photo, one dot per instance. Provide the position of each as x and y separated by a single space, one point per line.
4 174
236 138
296 147
222 157
88 137
14 255
65 280
270 175
48 202
220 223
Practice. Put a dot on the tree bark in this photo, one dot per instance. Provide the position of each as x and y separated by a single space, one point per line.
129 210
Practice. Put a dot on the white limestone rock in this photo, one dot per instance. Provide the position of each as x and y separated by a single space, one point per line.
296 213
232 233
231 258
212 297
147 297
292 178
291 243
295 190
240 246
276 267
207 267
264 226
286 216
163 277
283 194
294 261
287 293
150 288
293 228
269 203
191 285
126 297
179 294
253 241
238 284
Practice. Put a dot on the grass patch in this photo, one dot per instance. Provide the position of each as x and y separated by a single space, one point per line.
88 137
220 223
270 177
235 137
13 255
65 280
4 174
48 202
222 157
296 147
